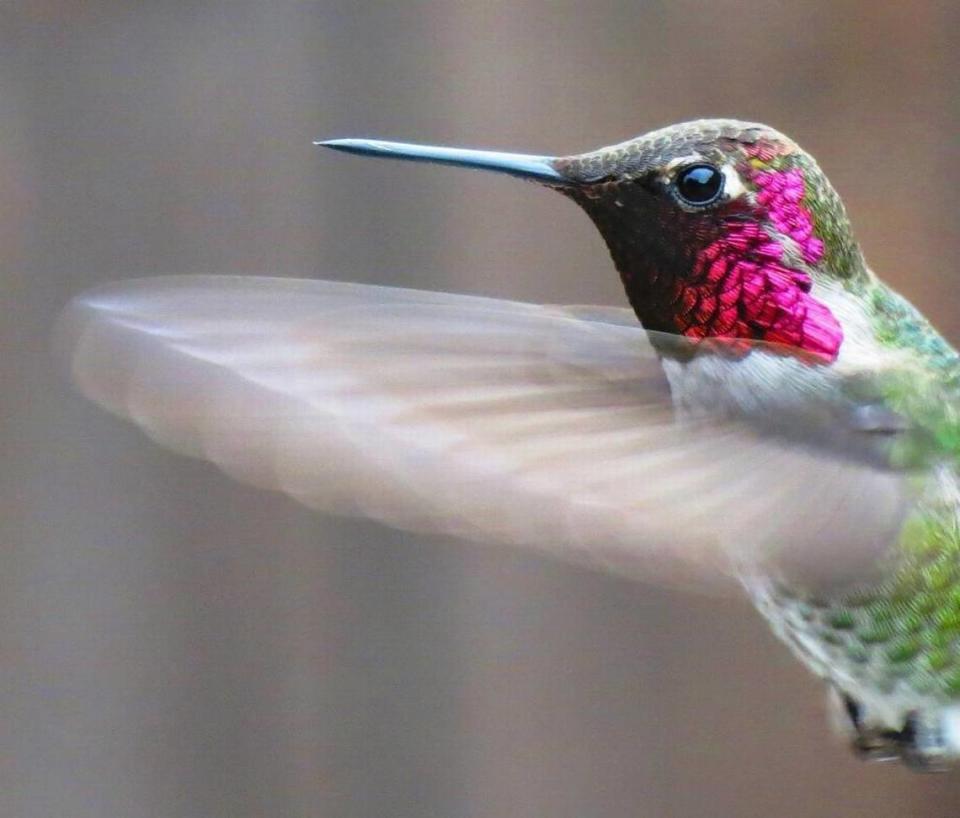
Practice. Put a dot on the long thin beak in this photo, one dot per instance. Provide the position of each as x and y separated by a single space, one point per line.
538 168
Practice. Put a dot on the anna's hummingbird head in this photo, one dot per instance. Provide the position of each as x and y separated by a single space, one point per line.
719 228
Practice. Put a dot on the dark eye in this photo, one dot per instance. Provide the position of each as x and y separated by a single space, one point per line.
699 184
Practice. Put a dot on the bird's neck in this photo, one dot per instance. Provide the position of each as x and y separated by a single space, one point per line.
717 276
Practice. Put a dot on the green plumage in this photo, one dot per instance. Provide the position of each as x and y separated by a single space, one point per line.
842 255
904 631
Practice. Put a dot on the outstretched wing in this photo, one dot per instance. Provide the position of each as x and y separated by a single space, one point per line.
538 426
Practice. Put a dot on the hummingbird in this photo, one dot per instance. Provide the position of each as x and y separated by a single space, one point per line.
766 414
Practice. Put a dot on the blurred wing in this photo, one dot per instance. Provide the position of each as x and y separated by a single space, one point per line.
530 425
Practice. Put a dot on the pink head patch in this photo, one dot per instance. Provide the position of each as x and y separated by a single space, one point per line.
741 285
780 194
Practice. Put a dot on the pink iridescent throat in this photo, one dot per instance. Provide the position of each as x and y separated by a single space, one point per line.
743 287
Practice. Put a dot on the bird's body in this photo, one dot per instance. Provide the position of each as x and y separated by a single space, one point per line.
777 415
888 642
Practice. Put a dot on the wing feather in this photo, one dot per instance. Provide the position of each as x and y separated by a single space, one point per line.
546 427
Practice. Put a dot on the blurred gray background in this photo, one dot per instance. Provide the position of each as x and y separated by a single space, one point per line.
173 644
